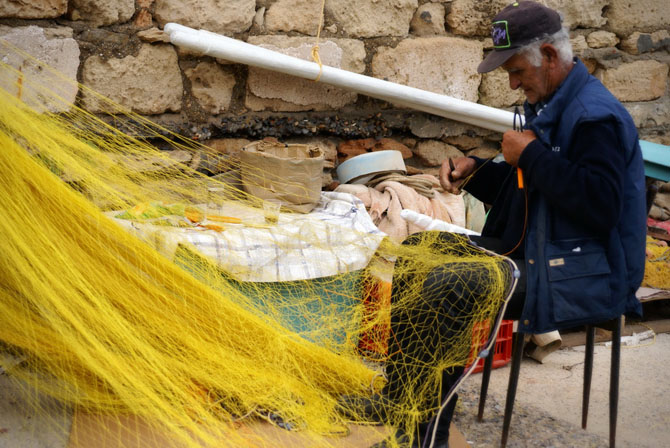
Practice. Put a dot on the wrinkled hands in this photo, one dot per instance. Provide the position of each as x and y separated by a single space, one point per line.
513 144
451 180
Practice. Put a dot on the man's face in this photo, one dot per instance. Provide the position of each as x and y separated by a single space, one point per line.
533 80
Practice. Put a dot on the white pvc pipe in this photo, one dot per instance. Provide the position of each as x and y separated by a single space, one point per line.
425 222
223 47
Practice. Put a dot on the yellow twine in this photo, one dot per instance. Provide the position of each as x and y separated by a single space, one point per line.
657 265
108 324
315 48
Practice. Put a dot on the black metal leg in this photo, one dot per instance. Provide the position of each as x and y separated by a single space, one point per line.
588 372
511 388
614 379
486 376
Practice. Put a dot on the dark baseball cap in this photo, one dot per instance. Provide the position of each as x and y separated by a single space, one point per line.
516 26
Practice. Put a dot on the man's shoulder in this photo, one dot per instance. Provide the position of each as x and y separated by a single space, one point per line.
595 90
595 102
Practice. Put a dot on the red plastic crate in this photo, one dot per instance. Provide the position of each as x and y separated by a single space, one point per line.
376 303
502 353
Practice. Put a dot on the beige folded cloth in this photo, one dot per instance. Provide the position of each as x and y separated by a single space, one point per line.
388 198
543 345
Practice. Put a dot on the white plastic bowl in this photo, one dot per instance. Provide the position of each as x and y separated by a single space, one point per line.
362 168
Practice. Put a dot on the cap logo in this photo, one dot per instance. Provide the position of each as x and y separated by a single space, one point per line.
500 34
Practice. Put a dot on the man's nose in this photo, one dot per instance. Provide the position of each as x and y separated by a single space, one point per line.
514 82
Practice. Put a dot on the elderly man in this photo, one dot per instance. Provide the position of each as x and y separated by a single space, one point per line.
567 203
570 197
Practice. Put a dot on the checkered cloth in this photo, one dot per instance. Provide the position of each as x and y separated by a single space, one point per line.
336 237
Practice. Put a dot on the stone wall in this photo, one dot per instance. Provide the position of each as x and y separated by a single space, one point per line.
116 48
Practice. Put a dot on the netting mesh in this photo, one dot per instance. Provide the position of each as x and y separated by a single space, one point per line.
657 265
113 306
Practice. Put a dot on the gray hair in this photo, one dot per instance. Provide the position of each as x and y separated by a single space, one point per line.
560 40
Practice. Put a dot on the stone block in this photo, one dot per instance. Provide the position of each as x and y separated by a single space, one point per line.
608 58
434 152
270 79
444 65
267 90
293 15
602 39
650 114
625 16
638 43
660 39
352 148
455 128
428 126
578 44
347 54
218 16
35 9
580 13
636 81
388 144
470 18
372 18
211 86
98 13
228 146
484 152
428 20
100 37
54 47
487 42
494 90
410 142
149 83
464 142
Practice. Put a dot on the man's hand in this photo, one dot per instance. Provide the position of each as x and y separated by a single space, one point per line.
513 144
451 180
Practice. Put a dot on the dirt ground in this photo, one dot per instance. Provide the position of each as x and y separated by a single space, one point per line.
549 400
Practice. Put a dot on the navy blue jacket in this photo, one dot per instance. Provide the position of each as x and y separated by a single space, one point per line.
585 226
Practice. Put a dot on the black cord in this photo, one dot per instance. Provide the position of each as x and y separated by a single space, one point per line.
519 128
517 114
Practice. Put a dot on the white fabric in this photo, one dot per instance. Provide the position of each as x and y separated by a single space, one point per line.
338 236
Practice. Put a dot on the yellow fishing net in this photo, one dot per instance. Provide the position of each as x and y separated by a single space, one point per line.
657 264
133 285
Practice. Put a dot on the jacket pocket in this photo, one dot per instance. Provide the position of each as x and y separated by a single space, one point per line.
578 281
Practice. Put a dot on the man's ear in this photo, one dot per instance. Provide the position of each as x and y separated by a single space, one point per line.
549 53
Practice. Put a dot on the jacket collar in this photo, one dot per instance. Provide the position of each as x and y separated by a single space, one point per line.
548 115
